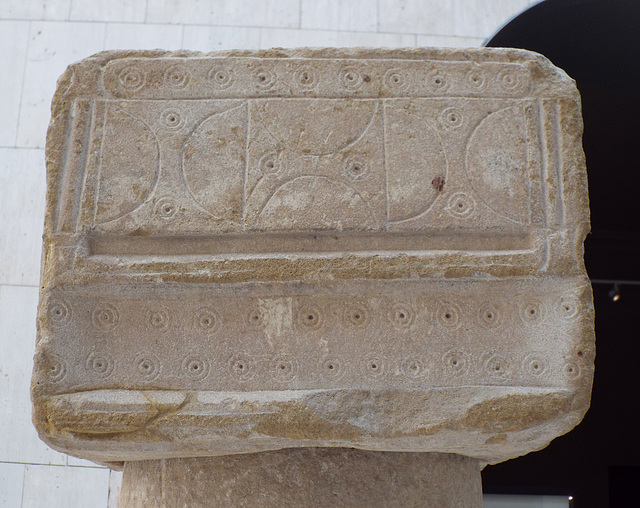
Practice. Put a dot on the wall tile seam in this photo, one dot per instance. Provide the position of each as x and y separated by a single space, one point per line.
22 490
124 22
12 147
104 37
36 19
39 145
16 147
257 27
182 32
47 464
329 30
24 74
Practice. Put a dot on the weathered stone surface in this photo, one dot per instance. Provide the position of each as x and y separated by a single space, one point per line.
306 477
379 249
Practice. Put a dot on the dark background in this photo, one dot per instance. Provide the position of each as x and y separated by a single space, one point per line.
597 43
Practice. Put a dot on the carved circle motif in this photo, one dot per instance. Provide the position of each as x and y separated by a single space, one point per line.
159 320
59 312
311 318
351 78
451 118
402 315
412 368
306 77
269 163
105 316
256 318
355 169
332 368
221 78
207 319
571 370
132 78
242 367
456 363
357 314
396 80
533 312
476 79
376 366
147 365
177 77
100 364
567 307
166 208
264 78
497 367
172 119
535 365
283 368
57 368
461 205
448 314
509 80
437 81
490 315
195 367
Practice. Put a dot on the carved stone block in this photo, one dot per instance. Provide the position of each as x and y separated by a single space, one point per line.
246 251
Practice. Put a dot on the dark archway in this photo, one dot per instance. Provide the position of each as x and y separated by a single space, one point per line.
597 42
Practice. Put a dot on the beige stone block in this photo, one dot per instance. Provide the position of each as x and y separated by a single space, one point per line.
253 250
306 477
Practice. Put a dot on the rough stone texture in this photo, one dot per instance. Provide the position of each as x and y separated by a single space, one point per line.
306 477
248 251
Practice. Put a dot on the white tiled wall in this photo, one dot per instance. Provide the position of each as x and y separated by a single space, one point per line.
38 39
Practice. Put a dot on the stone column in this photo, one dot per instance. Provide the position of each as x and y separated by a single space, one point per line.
300 250
305 477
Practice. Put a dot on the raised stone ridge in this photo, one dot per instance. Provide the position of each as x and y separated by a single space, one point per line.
252 250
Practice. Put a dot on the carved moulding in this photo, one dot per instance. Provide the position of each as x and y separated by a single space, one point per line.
247 251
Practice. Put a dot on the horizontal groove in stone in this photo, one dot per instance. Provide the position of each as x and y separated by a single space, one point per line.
307 243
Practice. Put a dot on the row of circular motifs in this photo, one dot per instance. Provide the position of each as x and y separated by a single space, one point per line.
285 368
352 78
401 315
174 120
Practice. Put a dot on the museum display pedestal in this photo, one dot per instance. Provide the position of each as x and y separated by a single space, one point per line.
305 477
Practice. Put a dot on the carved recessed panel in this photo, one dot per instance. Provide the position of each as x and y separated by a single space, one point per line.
302 164
250 251
452 330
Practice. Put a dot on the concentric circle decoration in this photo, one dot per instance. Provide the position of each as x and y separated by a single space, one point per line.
105 316
100 364
177 77
207 319
147 366
131 78
461 205
351 78
242 367
221 78
456 363
195 367
283 368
